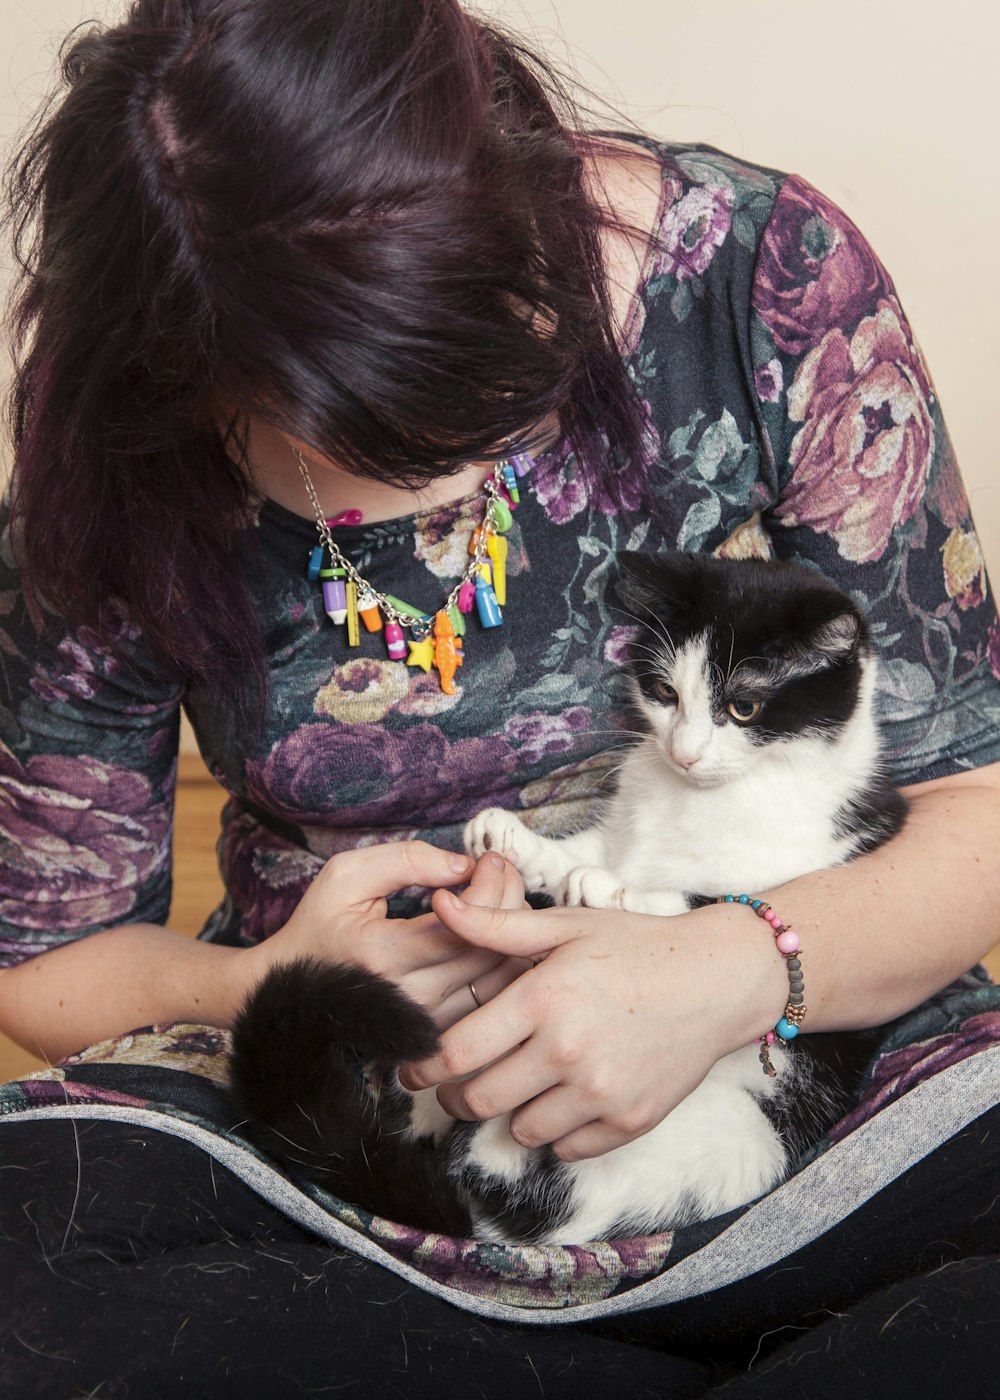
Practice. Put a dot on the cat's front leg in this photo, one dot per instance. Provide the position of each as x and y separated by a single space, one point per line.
541 861
590 887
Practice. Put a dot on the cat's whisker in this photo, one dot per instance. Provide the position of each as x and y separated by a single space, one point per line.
656 627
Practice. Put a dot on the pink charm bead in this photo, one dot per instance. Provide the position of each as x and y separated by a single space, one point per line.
787 942
772 918
770 1038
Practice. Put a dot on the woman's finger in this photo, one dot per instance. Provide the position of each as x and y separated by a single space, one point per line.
478 1039
522 932
558 1113
500 1087
591 1140
374 872
495 884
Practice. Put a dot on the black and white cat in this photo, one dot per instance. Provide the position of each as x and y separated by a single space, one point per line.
753 687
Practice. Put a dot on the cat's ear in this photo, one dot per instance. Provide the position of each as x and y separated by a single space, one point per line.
836 639
654 581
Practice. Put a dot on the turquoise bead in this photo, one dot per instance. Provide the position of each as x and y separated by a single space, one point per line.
756 904
728 899
786 1030
744 899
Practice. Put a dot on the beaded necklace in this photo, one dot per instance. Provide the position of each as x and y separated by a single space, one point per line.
436 638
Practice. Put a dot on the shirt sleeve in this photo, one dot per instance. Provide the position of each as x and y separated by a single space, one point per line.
88 749
869 491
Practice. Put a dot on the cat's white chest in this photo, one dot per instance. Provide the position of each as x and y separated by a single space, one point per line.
763 829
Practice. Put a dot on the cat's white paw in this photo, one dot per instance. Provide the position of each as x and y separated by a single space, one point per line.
496 829
589 887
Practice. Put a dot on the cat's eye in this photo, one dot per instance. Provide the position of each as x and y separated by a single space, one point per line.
664 692
744 711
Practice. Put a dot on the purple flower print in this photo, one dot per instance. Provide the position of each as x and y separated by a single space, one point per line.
86 836
266 875
617 649
770 381
862 455
814 269
693 231
414 777
539 734
561 490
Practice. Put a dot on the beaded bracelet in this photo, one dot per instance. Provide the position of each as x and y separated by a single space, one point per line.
787 943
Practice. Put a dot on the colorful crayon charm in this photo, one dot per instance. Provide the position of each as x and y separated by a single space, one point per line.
334 594
395 641
486 600
369 613
510 481
353 631
315 563
496 548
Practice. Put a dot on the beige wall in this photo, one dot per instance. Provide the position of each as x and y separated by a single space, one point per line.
890 106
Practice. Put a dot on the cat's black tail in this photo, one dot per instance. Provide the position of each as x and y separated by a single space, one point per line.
300 1044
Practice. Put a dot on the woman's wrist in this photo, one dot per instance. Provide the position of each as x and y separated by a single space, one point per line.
749 968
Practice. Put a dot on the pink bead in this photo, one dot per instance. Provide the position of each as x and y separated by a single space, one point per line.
770 1038
772 917
787 942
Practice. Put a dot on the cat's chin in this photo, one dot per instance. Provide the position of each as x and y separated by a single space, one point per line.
708 778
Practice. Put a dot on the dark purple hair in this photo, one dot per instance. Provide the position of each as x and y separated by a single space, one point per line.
358 219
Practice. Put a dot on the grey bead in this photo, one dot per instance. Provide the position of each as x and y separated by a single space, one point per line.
792 964
797 999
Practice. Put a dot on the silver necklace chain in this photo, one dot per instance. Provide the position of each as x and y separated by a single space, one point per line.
491 490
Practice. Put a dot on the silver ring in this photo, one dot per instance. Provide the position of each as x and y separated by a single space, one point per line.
475 994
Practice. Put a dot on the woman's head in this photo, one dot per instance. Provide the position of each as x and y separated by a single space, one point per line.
362 220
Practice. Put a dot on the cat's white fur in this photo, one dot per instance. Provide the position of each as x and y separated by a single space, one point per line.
698 807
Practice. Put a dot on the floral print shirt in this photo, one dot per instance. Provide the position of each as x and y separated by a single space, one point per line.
789 414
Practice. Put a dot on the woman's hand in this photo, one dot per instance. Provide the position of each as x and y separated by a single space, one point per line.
621 1019
342 918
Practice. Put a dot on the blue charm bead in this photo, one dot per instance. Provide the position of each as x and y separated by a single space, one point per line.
743 899
786 1030
315 563
729 899
756 904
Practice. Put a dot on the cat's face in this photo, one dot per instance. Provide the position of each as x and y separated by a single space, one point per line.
737 657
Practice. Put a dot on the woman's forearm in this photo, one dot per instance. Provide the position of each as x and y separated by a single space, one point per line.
895 926
114 981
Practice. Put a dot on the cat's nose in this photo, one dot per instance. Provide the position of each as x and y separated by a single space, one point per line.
684 760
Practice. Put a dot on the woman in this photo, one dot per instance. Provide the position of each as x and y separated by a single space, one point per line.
348 253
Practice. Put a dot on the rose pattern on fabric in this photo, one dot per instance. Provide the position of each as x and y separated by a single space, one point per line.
814 270
83 834
694 230
964 568
862 456
295 779
770 381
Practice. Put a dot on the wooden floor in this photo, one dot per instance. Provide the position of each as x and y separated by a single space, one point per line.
197 887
